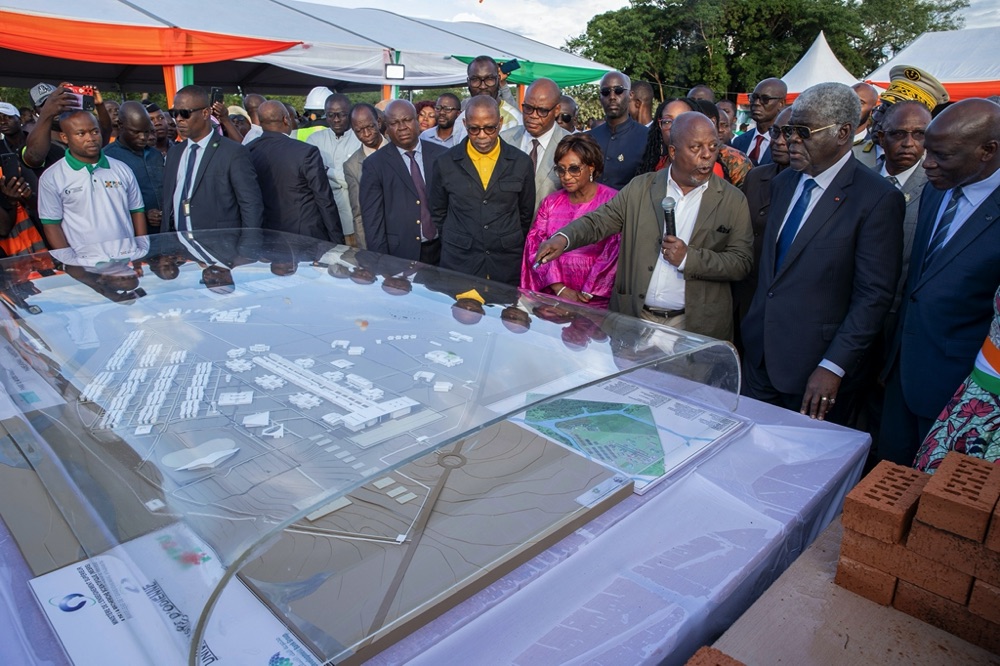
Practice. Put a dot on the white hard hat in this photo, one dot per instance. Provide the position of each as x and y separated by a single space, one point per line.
316 99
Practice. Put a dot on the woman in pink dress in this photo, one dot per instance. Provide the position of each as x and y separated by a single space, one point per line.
587 274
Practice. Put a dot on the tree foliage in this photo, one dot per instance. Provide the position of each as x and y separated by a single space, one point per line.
733 44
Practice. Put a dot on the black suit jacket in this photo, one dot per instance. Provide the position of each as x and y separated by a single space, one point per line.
834 289
745 141
482 230
947 306
390 207
296 192
757 189
225 193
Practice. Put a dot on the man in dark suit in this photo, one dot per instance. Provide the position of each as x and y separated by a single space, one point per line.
293 182
766 102
483 199
954 272
757 189
395 181
209 181
829 264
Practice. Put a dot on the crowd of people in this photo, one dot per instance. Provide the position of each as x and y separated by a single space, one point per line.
847 243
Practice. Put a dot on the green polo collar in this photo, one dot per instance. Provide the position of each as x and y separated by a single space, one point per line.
76 164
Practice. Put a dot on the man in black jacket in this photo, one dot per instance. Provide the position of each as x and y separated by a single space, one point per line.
483 199
293 182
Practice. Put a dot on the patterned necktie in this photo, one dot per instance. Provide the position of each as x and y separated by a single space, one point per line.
937 242
793 223
186 188
427 229
755 151
893 180
534 154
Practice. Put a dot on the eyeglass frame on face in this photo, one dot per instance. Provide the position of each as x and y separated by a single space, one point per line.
804 132
184 113
565 117
475 130
617 90
574 170
665 122
532 110
764 99
447 109
483 80
901 134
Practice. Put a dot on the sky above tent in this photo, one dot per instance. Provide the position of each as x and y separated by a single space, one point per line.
552 22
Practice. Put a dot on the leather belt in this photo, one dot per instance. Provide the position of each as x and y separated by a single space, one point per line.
660 312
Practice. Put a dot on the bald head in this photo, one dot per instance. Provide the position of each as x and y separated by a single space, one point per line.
542 95
686 124
963 144
869 100
273 117
252 104
134 126
482 122
481 104
701 91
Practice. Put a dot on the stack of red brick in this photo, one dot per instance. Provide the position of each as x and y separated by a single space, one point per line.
928 545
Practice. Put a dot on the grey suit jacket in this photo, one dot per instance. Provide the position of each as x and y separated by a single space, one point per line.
911 190
546 180
720 251
866 153
352 174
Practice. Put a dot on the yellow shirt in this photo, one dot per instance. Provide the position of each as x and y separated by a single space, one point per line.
484 163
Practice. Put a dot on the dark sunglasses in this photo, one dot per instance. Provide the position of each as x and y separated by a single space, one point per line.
185 113
531 110
573 170
803 131
763 99
565 118
488 129
617 90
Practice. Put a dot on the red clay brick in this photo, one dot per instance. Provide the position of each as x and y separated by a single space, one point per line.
985 601
953 618
709 656
960 496
865 581
993 535
883 503
957 552
906 565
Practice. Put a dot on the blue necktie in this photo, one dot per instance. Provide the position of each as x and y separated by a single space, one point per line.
943 226
188 177
793 223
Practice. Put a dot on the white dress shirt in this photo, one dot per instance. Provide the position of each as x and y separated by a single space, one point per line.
973 195
182 167
903 176
543 144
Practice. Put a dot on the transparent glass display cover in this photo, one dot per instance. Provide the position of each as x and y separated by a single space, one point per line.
345 441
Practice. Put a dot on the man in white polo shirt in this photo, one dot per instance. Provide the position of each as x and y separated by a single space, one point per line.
87 197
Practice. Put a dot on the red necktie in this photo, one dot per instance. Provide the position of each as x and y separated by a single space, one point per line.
755 151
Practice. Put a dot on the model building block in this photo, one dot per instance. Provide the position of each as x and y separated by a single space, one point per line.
865 581
961 496
883 504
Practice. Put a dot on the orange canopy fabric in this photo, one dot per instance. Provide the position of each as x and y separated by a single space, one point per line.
135 45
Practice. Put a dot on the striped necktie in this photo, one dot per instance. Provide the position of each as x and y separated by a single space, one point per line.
944 225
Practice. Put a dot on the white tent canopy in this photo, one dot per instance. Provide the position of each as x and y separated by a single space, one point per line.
965 61
336 44
817 65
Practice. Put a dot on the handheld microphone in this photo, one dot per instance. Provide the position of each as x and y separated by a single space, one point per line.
669 225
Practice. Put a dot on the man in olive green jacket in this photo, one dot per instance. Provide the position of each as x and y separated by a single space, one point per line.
681 280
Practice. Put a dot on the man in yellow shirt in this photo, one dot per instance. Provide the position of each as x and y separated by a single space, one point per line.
483 199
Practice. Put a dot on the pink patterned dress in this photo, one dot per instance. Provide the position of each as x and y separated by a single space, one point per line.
590 269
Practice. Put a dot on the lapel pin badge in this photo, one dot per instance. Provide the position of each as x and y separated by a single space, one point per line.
621 158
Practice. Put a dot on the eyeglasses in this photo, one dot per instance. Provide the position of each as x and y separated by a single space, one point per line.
530 110
763 99
185 113
774 131
899 135
803 131
565 118
617 90
487 129
665 122
573 170
446 109
482 80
